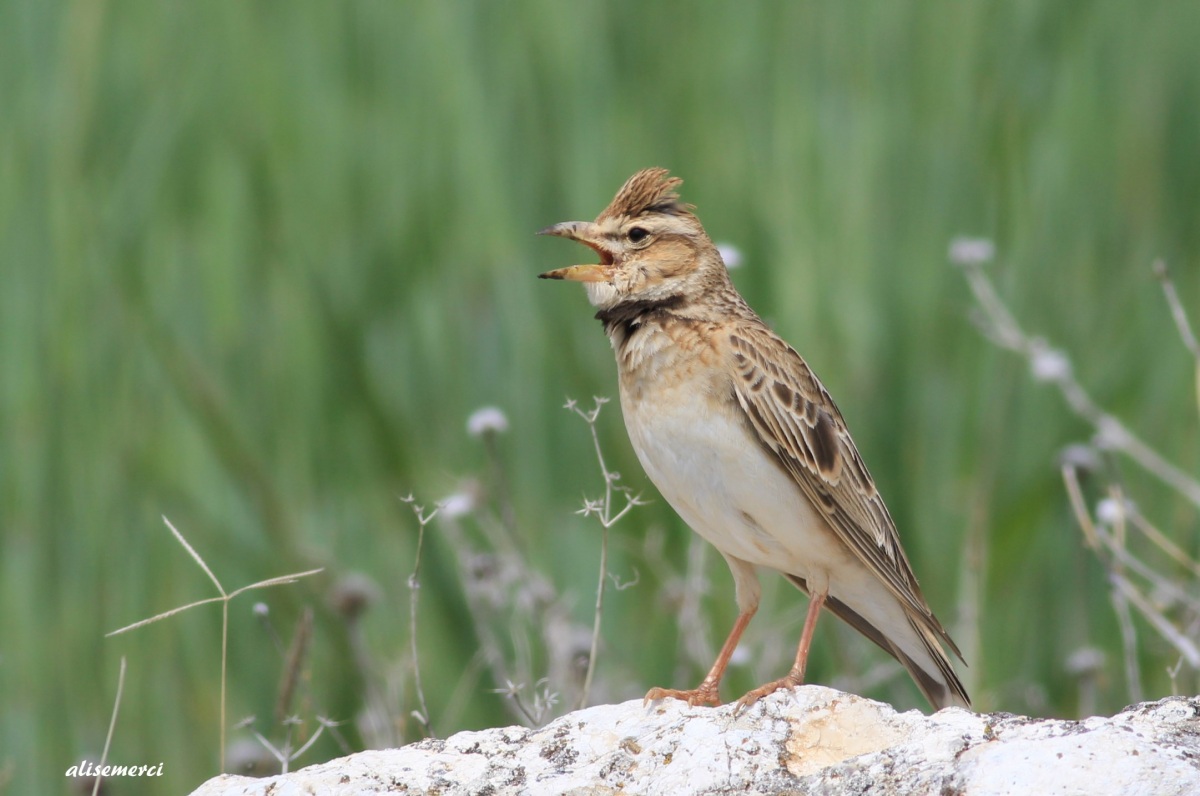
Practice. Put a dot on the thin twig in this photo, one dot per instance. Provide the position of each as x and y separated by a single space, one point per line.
164 615
518 615
478 605
1079 506
195 556
1124 593
281 580
1177 312
308 744
1155 618
1053 366
294 664
1181 319
286 756
1160 539
112 726
513 691
1107 533
1120 553
224 599
224 678
1173 673
603 509
414 590
1133 676
594 649
332 727
595 645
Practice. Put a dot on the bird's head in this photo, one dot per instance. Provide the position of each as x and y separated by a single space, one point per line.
651 246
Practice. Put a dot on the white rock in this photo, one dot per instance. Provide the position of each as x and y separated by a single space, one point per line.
810 740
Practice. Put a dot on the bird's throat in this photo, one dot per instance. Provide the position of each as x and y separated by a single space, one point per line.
632 312
601 294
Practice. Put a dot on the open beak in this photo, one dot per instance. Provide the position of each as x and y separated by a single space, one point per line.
584 232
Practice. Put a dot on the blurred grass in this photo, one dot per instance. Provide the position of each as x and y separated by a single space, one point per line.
260 262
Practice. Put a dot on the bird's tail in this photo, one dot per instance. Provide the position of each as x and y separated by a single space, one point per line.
939 683
923 656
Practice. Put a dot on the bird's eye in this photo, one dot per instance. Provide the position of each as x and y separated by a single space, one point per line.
637 235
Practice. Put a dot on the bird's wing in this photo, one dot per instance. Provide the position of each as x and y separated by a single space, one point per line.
797 422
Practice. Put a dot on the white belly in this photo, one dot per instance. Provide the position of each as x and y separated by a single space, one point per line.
723 485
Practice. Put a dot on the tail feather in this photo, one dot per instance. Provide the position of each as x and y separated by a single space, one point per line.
942 691
941 687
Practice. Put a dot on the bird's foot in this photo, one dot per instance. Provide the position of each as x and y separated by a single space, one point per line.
790 680
706 694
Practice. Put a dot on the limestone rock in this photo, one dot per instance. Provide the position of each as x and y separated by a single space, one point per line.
810 740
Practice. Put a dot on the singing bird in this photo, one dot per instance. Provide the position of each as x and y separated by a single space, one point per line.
744 442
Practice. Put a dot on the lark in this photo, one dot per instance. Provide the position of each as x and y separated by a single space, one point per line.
744 442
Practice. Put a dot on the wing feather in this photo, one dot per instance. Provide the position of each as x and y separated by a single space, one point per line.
796 420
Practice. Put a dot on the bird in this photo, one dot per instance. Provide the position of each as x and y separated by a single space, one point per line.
744 442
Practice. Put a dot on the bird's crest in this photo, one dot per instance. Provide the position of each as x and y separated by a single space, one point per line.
648 191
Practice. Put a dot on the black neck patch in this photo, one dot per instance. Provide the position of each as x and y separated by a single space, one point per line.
628 315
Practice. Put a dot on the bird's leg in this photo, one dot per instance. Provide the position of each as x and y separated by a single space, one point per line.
707 693
796 676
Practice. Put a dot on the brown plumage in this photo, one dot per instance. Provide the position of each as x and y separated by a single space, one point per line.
743 440
648 191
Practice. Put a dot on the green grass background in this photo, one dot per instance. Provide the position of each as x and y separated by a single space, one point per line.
261 261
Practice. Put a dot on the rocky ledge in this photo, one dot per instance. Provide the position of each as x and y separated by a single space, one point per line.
811 740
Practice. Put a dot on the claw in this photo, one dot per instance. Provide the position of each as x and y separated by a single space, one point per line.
694 697
790 680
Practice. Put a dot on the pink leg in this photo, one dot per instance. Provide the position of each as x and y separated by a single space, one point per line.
796 676
708 690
